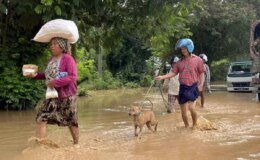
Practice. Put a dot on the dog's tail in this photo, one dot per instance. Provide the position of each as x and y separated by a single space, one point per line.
150 102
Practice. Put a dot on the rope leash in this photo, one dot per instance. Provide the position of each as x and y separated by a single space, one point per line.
145 98
164 101
160 88
161 92
152 84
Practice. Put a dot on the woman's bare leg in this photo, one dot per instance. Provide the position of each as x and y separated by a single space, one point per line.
74 131
194 115
40 130
202 99
184 108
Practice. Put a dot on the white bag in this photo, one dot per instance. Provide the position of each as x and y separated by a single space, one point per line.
58 28
51 93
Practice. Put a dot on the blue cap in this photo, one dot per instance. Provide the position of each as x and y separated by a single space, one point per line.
185 42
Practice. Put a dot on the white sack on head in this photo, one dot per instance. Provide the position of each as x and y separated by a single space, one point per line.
58 28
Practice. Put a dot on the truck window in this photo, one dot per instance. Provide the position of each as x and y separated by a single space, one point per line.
241 68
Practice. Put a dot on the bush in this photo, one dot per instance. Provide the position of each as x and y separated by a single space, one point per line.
131 85
18 92
146 80
82 91
219 70
98 83
85 65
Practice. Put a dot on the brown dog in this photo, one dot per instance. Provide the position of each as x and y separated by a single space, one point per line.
141 118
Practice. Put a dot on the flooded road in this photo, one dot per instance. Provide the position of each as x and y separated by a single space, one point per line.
107 132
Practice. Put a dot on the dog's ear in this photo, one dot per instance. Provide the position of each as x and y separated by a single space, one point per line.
136 108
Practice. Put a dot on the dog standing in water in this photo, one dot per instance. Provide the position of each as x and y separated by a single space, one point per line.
141 118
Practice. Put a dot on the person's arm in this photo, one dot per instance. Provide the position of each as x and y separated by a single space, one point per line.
208 75
72 74
201 71
201 80
169 75
39 76
207 78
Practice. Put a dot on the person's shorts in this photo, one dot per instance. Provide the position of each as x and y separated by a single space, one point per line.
188 93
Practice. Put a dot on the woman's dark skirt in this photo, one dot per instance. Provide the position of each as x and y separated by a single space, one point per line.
60 111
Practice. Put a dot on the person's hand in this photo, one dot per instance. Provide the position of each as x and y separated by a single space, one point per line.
208 89
158 78
31 75
50 83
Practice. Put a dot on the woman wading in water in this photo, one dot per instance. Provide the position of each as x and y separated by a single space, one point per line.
60 74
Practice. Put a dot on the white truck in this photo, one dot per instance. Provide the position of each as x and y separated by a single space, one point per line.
239 77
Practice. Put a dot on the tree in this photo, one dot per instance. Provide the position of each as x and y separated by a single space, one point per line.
221 28
123 28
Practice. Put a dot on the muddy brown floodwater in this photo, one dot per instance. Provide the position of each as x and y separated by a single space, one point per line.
107 132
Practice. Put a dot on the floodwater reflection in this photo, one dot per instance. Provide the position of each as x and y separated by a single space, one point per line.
107 132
